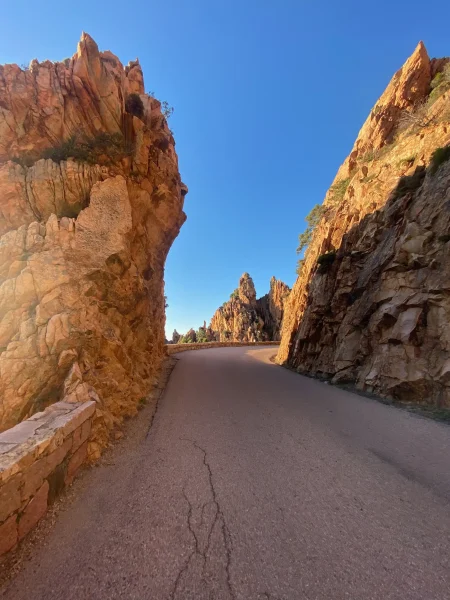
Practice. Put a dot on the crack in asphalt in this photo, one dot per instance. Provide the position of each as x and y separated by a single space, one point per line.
218 516
190 527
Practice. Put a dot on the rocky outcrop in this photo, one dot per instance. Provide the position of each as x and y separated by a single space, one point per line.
271 308
175 337
90 202
371 304
246 290
245 319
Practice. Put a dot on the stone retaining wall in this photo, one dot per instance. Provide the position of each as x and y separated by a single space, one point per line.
173 348
38 457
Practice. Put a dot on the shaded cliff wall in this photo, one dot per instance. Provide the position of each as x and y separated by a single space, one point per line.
271 308
374 311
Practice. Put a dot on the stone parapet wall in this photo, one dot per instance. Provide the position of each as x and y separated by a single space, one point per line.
174 348
38 458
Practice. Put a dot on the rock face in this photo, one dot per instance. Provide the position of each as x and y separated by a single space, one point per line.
175 337
89 205
246 290
371 306
245 319
271 307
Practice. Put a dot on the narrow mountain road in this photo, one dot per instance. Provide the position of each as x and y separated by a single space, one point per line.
255 483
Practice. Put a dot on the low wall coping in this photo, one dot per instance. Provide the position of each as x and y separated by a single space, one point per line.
173 348
42 433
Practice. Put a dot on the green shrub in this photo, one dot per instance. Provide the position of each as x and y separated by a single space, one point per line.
104 148
134 106
436 94
339 188
439 156
437 80
234 294
25 159
314 216
69 148
371 155
201 335
300 265
439 85
166 109
304 239
313 219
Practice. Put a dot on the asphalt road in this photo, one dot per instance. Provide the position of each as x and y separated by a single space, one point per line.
255 483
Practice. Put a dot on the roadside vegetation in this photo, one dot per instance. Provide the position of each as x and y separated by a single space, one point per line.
199 336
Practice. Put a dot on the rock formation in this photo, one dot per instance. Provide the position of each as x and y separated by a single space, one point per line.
200 336
175 337
372 303
90 202
245 319
189 338
271 308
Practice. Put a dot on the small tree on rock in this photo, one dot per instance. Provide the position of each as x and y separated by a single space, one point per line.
304 239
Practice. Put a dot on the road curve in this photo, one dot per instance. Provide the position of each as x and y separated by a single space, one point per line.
255 483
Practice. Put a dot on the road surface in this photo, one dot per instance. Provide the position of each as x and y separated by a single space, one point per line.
255 483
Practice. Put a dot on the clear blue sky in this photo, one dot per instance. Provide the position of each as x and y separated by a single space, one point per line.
268 98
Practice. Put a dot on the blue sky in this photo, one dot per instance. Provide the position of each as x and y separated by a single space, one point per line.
268 97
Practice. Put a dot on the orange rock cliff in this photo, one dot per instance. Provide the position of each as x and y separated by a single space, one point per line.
371 305
90 202
244 318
